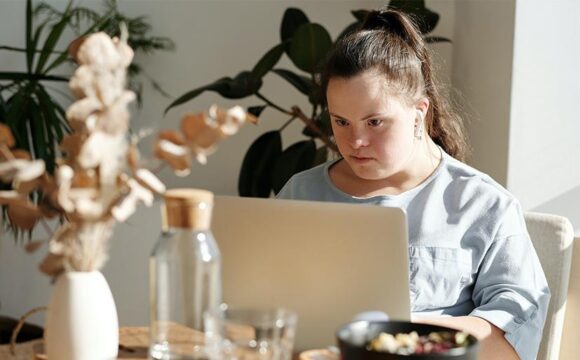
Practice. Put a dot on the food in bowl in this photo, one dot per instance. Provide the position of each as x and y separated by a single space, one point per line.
354 339
436 342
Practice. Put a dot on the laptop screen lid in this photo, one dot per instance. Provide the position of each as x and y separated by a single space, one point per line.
326 261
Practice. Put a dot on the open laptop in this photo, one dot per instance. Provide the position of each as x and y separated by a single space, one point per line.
326 261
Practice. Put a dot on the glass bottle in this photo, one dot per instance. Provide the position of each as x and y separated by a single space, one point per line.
185 276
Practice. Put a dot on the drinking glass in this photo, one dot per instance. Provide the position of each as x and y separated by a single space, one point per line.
249 333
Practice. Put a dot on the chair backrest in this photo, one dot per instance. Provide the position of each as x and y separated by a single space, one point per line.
569 348
553 238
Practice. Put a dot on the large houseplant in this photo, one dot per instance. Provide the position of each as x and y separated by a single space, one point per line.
30 103
267 166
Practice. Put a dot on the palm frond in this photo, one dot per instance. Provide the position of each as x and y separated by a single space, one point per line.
148 45
81 15
138 25
48 11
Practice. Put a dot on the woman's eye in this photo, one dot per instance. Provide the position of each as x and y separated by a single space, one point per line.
341 122
375 122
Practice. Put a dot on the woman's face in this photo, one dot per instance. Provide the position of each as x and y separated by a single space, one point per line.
374 130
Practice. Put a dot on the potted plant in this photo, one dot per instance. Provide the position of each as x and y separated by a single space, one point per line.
32 109
267 165
29 104
98 181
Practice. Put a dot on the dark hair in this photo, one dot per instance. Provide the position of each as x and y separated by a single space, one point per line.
389 42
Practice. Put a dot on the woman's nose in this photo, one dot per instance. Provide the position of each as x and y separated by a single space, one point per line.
358 140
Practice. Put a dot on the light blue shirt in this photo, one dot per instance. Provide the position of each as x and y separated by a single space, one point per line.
469 250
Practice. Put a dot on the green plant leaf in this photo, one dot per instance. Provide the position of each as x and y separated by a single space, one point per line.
29 46
39 142
62 118
309 45
15 105
321 156
268 61
59 60
301 83
293 18
322 121
54 123
256 110
52 39
255 174
36 37
3 108
426 19
315 97
218 85
436 39
243 85
64 55
25 76
298 157
2 105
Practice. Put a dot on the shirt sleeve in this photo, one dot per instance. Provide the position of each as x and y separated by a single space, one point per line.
511 291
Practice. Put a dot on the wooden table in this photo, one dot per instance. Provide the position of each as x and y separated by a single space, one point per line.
133 345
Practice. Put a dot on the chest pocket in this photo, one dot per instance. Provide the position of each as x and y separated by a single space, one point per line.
438 277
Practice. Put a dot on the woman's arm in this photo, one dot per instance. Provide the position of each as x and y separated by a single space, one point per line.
493 344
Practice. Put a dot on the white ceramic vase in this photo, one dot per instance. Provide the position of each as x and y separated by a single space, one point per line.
81 322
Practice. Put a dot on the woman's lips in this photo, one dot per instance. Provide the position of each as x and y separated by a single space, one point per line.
360 159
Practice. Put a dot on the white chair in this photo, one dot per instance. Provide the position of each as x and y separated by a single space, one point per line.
570 345
553 238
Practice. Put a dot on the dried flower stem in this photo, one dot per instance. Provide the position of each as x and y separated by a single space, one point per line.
6 152
47 227
312 126
159 168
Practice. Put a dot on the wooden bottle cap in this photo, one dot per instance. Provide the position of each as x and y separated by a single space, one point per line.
187 208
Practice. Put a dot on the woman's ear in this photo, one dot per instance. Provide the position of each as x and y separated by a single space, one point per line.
421 111
422 106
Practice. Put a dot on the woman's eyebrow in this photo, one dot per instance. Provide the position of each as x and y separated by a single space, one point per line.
363 119
337 116
373 115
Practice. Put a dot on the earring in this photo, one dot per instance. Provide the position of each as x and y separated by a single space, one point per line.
419 126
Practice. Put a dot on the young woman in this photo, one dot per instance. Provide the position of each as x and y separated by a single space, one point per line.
472 264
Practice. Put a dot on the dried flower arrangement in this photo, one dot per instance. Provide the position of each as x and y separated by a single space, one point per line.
100 178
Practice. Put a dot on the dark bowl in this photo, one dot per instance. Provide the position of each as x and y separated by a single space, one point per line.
354 337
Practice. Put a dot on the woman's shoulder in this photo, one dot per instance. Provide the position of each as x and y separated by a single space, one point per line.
307 184
471 182
477 196
315 173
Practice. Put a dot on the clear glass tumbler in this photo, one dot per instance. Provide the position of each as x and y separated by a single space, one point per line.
250 334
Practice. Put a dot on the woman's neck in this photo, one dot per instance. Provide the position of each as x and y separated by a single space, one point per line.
424 162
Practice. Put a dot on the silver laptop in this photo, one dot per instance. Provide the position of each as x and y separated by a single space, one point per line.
326 261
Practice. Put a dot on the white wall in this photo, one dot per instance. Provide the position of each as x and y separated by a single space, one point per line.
482 68
214 39
544 144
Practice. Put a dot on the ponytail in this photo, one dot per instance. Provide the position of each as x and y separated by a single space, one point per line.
390 42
